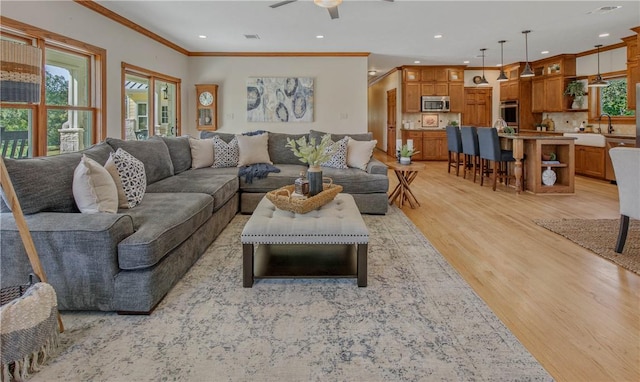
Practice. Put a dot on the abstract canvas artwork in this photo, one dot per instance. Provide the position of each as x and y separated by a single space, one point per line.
280 99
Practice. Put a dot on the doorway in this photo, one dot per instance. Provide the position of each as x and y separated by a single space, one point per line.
391 122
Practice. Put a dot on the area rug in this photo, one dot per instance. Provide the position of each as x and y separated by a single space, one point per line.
600 236
416 321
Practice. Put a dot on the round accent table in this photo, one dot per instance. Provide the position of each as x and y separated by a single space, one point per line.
406 173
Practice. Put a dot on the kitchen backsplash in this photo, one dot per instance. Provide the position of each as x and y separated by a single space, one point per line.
567 122
416 119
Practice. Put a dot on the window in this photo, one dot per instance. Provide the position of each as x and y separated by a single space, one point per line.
72 114
611 100
151 102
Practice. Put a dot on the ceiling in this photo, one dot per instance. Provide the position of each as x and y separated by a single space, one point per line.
395 33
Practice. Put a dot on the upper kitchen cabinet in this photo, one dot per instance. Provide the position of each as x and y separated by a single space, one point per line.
551 78
633 66
510 89
420 81
411 74
434 73
456 97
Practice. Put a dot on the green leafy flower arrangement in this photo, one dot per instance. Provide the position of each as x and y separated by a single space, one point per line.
309 152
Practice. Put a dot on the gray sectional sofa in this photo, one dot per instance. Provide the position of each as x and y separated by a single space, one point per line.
128 261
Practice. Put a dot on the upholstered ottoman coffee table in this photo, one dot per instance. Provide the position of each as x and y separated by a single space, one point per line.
331 241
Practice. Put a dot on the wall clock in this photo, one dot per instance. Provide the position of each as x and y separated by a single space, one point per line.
207 107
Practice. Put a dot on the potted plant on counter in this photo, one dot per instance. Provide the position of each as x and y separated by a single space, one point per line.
576 90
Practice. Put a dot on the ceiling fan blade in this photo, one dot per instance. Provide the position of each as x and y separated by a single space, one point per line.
276 5
333 12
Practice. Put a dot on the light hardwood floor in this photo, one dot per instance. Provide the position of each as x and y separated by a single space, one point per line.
577 313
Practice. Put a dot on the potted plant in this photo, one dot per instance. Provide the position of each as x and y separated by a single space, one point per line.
453 123
576 90
313 155
406 153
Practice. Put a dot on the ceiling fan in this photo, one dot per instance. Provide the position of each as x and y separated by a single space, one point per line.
331 5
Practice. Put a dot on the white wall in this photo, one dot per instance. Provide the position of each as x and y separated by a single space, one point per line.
610 61
378 107
340 91
122 44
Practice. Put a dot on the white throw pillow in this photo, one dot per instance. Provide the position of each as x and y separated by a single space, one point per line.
93 188
253 149
201 152
359 153
131 176
339 157
225 154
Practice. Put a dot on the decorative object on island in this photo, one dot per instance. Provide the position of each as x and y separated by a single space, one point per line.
503 76
280 99
483 81
314 155
576 90
598 82
549 177
406 152
527 72
548 156
207 107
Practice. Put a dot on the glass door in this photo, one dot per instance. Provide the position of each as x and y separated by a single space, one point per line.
136 100
165 108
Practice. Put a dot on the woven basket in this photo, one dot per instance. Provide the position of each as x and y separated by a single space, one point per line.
282 199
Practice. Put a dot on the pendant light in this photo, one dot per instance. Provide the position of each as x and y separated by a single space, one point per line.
598 82
503 76
527 72
483 81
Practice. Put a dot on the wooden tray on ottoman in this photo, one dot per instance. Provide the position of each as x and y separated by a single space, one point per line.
282 199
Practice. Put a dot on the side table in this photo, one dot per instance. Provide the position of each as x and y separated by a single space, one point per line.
405 173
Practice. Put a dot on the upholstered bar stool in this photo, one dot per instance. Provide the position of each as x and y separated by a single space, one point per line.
470 151
490 151
454 145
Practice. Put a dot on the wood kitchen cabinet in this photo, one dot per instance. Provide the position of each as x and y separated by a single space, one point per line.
547 94
411 75
434 89
477 107
590 161
434 74
416 136
456 97
509 90
633 66
432 144
411 97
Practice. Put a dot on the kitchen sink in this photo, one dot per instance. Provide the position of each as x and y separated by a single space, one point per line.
588 139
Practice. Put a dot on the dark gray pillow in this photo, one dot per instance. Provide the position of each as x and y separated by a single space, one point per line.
279 152
336 137
154 153
180 153
46 183
227 137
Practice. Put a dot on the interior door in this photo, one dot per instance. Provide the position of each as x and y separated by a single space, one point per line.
391 122
477 107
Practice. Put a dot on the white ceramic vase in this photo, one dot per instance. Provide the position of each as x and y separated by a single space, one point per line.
405 160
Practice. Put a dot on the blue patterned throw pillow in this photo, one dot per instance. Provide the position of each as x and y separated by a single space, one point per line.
339 158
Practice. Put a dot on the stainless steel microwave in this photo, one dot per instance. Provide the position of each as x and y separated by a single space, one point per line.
435 104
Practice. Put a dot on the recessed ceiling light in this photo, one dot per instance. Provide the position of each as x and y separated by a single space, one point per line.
202 36
416 62
372 72
437 36
319 36
498 65
544 52
465 62
603 35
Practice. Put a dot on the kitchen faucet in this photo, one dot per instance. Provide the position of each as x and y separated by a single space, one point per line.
610 127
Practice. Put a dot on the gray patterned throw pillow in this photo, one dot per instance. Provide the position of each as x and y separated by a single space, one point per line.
225 154
132 176
339 158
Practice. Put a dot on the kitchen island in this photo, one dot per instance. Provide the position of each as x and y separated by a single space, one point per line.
531 148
